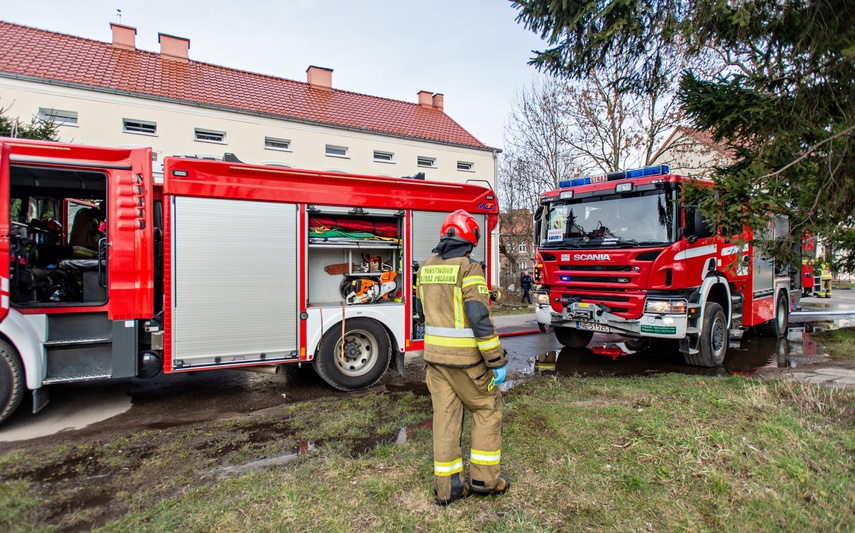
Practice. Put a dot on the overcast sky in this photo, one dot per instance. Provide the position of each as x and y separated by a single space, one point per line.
472 51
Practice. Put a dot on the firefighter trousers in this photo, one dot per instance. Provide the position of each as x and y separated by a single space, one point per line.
451 389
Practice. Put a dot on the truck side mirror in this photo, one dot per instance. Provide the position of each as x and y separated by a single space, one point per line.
538 218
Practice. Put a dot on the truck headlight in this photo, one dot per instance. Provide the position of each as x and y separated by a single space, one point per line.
666 307
542 298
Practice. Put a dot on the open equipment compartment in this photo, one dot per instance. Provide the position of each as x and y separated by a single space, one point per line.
355 256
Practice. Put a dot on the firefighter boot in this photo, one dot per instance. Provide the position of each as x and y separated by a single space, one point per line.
501 487
459 490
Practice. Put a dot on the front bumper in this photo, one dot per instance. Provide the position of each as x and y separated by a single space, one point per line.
592 317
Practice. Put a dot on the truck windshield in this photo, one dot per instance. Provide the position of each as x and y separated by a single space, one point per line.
634 219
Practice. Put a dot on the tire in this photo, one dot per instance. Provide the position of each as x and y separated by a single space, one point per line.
367 351
777 327
712 345
637 344
11 380
572 337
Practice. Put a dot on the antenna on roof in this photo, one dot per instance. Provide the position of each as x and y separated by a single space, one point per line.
119 15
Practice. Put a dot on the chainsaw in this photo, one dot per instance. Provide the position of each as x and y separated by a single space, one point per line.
367 290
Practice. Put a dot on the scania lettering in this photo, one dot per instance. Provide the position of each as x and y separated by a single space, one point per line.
652 268
219 265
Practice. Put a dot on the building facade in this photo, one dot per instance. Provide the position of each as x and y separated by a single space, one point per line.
113 94
691 152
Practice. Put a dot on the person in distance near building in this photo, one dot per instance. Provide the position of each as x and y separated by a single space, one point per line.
525 283
465 364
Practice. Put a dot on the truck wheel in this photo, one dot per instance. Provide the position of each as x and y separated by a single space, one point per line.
11 380
636 344
573 338
366 355
777 327
712 345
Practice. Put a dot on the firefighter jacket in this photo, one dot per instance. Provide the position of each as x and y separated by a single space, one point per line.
459 330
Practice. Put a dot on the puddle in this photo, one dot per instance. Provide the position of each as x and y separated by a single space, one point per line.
745 356
304 448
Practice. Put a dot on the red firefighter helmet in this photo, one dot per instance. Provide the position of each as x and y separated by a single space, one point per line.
461 226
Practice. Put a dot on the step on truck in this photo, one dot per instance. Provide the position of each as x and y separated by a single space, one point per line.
624 254
111 272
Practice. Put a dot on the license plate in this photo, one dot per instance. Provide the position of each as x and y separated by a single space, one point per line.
592 326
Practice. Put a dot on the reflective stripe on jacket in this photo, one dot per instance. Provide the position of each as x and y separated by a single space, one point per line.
459 330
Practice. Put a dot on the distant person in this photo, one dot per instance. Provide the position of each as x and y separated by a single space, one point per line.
525 283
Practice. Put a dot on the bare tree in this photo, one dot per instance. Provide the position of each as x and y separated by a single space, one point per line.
536 158
614 129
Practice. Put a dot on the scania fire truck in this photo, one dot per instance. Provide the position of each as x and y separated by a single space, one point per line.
624 254
218 265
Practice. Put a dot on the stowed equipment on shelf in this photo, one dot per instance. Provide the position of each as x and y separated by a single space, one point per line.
376 281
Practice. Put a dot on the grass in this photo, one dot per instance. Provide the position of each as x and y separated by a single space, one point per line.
511 309
838 343
658 453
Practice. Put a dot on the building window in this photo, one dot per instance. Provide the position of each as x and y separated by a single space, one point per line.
523 266
60 117
144 127
336 151
272 143
427 162
523 249
384 157
465 166
210 136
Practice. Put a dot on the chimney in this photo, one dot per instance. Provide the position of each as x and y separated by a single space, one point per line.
438 100
124 36
425 99
175 48
319 77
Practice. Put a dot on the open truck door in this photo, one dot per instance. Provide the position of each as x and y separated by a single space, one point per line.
4 231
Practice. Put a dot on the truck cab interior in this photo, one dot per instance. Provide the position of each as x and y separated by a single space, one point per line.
57 241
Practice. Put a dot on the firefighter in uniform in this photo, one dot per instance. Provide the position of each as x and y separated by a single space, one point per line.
465 363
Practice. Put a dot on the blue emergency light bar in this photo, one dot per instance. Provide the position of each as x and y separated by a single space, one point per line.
658 170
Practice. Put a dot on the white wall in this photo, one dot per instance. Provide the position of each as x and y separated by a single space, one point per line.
100 123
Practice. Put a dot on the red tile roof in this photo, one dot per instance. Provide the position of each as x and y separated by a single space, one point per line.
54 57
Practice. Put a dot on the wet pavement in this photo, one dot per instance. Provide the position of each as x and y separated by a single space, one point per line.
795 357
78 410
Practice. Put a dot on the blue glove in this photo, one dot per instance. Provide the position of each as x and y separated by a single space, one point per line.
499 377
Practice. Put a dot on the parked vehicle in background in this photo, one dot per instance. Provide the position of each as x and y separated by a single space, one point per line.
623 253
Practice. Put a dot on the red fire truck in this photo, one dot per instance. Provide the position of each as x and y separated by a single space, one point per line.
622 253
222 265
